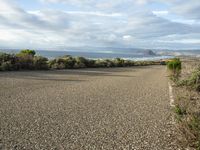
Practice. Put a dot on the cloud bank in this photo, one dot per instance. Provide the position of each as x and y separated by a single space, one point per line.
46 24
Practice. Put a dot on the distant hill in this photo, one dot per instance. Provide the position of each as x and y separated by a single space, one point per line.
150 52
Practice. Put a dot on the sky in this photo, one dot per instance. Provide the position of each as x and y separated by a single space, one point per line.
58 24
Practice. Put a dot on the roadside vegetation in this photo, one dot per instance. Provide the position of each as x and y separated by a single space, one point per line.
28 60
193 81
186 77
174 67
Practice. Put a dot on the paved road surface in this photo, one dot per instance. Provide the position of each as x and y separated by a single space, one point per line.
124 108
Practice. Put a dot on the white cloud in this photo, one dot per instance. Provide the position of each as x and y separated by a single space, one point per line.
141 2
94 13
128 38
105 23
160 13
189 9
182 41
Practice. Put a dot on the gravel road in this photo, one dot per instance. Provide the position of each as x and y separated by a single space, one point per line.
88 109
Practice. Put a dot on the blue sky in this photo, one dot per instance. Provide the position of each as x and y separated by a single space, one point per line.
47 24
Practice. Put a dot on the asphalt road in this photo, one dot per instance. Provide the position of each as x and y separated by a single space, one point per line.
92 109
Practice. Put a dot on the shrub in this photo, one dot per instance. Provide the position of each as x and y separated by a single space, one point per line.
174 64
99 63
25 61
104 63
193 81
194 123
194 130
68 61
40 63
27 51
78 65
4 57
109 63
129 63
65 62
6 66
180 111
143 63
57 64
140 63
118 62
175 67
51 63
81 62
8 62
91 63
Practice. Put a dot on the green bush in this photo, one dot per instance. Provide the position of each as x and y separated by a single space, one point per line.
27 51
4 57
100 63
6 66
174 64
81 62
57 63
140 63
68 61
175 68
129 63
65 62
144 63
40 63
118 62
109 63
91 63
8 62
27 59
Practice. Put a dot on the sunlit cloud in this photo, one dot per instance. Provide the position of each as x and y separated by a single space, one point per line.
105 23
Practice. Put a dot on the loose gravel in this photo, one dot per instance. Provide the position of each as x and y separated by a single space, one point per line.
87 109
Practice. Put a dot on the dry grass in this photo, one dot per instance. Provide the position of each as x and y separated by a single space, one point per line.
188 108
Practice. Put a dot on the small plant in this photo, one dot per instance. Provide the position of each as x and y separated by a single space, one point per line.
175 68
194 126
180 111
193 81
195 123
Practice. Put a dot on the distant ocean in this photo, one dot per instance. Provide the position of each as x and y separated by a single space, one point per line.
97 55
133 55
101 55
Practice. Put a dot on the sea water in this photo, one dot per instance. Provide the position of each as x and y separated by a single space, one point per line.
96 55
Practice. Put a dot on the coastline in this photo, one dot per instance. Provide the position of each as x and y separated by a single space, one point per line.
30 60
